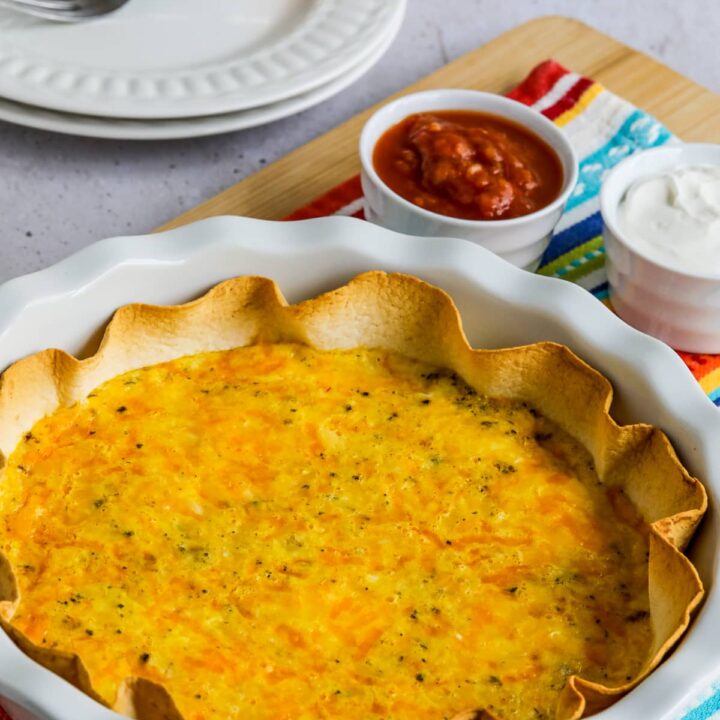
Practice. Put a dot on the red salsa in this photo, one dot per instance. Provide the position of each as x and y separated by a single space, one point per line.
469 165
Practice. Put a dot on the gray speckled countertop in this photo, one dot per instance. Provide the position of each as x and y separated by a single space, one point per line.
60 193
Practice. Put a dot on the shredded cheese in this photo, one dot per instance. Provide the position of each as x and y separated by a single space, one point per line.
278 532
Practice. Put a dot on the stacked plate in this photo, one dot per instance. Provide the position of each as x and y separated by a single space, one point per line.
159 69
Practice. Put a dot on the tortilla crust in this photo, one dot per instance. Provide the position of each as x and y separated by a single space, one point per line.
402 314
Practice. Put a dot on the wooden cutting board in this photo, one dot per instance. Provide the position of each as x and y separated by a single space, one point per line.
688 109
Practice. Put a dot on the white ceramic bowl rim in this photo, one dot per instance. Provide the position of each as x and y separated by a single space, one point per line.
626 172
458 99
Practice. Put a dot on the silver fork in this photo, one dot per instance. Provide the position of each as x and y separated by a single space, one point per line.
63 10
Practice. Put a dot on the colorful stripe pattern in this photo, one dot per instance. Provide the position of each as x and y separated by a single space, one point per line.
702 706
604 129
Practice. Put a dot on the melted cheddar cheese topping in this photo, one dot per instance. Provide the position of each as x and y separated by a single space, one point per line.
278 532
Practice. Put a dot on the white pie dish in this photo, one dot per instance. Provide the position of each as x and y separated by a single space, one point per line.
66 304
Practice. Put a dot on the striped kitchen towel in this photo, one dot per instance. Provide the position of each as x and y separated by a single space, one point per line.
705 706
604 129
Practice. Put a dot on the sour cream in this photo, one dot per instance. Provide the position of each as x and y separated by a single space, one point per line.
674 218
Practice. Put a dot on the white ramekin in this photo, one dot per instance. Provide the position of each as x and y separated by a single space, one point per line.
521 240
679 307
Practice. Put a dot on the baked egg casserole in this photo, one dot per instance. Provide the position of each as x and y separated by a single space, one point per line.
240 509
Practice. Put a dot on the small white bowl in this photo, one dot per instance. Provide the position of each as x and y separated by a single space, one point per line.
521 240
680 307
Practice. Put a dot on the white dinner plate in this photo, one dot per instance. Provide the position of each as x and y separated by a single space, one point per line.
65 305
183 58
126 129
